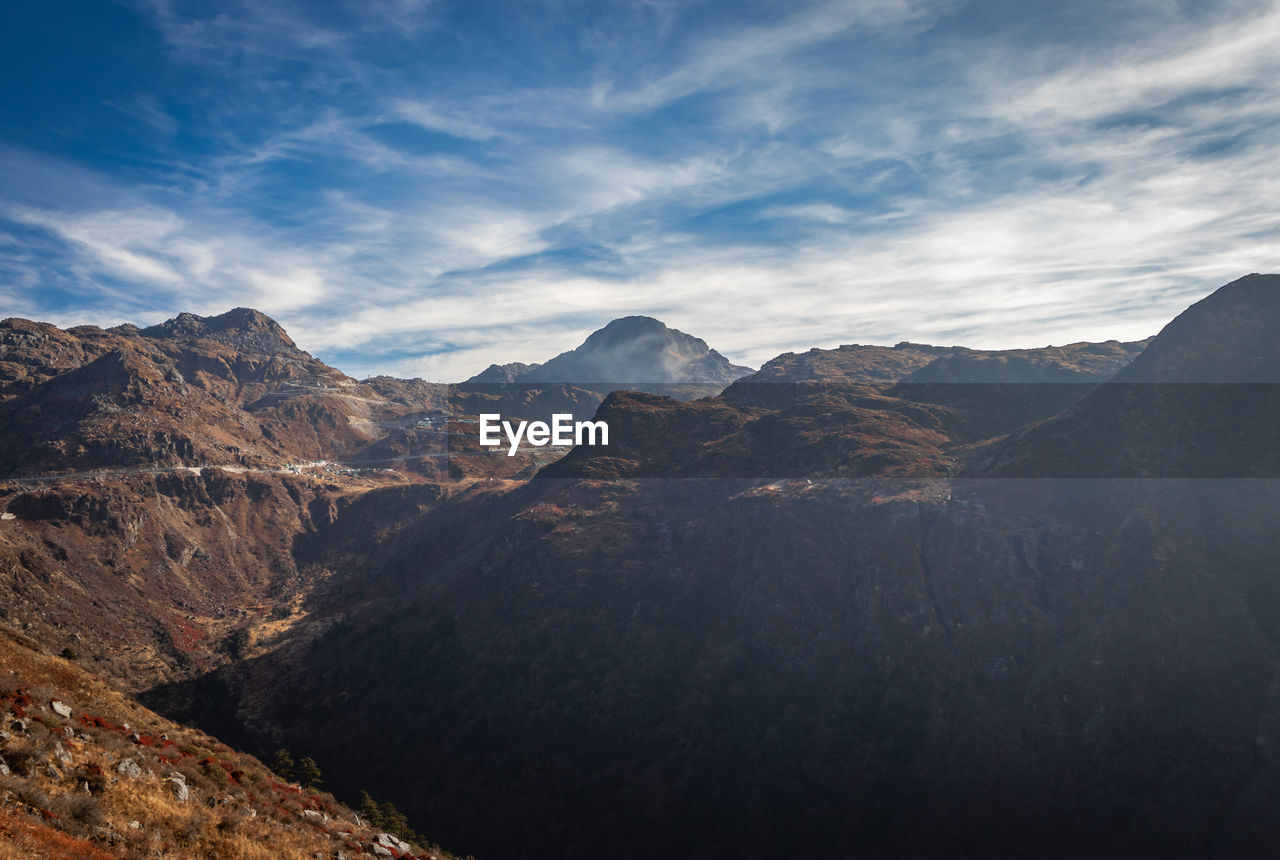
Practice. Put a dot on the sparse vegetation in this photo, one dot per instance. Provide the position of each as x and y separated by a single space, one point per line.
182 793
216 773
237 643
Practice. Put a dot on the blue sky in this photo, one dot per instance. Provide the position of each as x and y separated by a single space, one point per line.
420 188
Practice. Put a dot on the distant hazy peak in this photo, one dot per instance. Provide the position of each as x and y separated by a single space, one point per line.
632 349
628 328
503 372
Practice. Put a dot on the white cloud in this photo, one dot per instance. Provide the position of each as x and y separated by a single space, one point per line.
448 121
1009 206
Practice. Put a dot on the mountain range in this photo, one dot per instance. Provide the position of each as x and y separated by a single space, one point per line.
883 601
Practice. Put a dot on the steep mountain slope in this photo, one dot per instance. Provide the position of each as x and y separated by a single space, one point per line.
629 350
861 637
150 576
85 772
1229 337
1203 400
152 481
716 668
755 666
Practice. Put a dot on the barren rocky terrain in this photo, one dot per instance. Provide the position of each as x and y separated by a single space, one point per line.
904 601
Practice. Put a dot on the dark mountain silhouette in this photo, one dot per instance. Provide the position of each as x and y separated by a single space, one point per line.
1229 336
1203 400
633 350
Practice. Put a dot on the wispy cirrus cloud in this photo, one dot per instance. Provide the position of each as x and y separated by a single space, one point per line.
425 188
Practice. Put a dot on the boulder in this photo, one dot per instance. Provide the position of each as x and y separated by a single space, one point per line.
61 709
4 768
389 841
129 768
61 754
179 789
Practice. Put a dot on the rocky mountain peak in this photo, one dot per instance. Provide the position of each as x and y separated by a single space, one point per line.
624 329
245 328
633 350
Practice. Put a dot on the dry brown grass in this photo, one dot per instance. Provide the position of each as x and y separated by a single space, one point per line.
21 839
192 830
254 817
